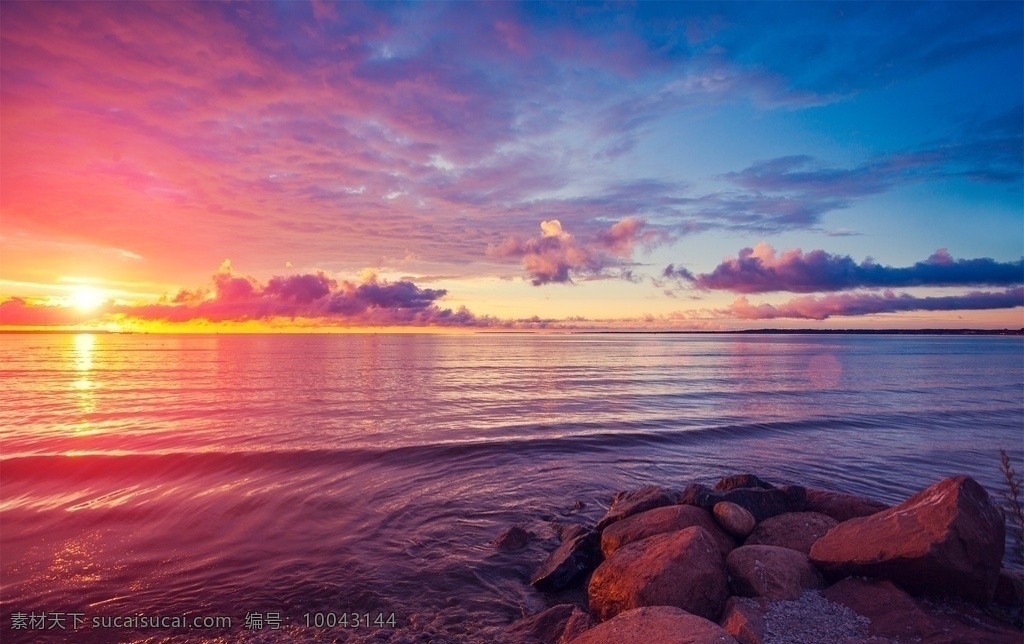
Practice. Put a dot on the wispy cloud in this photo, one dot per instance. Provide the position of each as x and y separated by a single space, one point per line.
988 156
853 304
372 120
867 45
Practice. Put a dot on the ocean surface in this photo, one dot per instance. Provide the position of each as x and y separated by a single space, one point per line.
301 478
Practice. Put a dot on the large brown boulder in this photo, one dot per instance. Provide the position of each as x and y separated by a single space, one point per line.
794 530
669 518
656 624
771 572
840 506
682 569
945 540
626 504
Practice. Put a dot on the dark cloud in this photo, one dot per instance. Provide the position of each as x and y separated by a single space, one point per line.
312 295
762 270
301 289
349 299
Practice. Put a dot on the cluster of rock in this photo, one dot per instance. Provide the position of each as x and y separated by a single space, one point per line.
729 563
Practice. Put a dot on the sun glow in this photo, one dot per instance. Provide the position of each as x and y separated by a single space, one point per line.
86 298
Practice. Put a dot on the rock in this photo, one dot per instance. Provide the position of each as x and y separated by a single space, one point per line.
656 624
896 615
570 562
771 572
569 531
741 480
698 495
734 519
893 613
682 569
744 620
514 538
1010 588
760 503
840 506
669 518
794 530
626 504
796 497
1009 598
549 626
945 540
575 626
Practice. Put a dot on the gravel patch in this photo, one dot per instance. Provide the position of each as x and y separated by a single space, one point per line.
812 618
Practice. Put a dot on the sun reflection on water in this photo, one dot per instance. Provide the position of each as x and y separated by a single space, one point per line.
84 387
84 343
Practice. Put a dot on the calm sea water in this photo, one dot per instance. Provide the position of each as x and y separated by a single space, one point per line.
314 476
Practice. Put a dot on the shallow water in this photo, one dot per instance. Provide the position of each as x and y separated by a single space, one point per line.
315 475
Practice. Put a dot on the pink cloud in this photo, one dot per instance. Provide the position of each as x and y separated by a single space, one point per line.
852 304
551 257
315 296
557 256
621 238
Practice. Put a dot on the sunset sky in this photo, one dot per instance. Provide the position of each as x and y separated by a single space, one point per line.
292 165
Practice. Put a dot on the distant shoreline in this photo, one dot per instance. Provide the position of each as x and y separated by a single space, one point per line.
837 332
1011 332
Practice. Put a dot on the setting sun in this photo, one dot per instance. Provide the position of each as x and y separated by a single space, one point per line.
86 298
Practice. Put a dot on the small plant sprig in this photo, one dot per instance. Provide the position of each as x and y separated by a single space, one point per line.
1012 505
